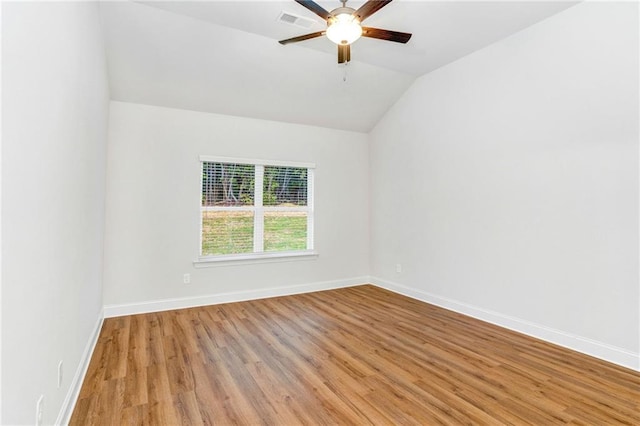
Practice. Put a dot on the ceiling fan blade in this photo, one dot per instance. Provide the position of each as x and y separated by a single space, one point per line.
344 53
302 37
315 8
369 8
389 35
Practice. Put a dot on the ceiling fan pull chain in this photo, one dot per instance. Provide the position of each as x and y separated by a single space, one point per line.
344 74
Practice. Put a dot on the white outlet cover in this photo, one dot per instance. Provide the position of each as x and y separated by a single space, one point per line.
39 408
60 372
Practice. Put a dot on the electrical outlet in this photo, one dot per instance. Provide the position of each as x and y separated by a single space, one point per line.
60 374
39 408
398 268
186 278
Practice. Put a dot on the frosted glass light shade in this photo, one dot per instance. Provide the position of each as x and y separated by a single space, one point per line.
344 30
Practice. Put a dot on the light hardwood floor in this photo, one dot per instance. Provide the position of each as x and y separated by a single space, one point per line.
359 355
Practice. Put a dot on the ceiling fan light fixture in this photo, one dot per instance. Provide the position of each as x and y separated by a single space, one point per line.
344 29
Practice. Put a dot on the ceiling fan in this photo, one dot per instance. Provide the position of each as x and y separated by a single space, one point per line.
344 26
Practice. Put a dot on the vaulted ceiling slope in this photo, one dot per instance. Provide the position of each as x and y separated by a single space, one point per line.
223 56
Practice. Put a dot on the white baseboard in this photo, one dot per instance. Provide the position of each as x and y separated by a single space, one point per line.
587 346
64 416
214 299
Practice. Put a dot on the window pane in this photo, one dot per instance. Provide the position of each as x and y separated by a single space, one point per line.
226 232
285 231
225 184
285 186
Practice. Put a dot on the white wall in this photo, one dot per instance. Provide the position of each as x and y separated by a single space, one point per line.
54 118
153 195
506 183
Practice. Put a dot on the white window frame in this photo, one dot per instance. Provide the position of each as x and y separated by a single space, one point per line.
258 254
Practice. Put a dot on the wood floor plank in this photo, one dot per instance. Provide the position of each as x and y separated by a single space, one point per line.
163 413
138 356
359 355
135 389
135 416
208 394
119 350
158 387
186 405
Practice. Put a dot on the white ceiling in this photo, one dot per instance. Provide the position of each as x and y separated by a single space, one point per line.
223 56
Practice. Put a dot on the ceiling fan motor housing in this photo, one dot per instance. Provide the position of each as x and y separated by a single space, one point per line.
343 10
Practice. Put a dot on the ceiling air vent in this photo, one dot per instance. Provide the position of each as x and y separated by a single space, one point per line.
298 21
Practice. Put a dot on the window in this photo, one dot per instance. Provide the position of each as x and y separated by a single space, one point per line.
254 209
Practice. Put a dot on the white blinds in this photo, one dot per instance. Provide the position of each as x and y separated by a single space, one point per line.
285 192
227 227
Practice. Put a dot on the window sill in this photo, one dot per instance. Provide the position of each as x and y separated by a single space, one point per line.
251 258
